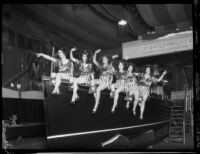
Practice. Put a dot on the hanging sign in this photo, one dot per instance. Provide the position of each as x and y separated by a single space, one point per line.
170 43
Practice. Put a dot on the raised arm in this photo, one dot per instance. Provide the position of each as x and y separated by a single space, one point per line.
113 58
72 69
46 57
94 58
72 57
161 77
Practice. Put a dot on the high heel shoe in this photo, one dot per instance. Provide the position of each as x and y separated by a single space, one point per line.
72 102
94 110
55 93
130 98
77 98
70 88
134 113
92 90
127 106
112 93
126 98
113 110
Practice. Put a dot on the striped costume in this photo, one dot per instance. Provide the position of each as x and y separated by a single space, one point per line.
106 74
86 72
120 79
131 83
145 84
64 68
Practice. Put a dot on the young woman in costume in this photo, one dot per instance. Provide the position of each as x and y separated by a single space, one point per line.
131 87
65 70
144 86
86 73
119 85
105 78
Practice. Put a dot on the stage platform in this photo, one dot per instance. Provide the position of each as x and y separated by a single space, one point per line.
74 126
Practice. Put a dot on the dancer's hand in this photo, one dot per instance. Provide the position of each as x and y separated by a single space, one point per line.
73 49
165 72
126 58
115 56
97 51
39 54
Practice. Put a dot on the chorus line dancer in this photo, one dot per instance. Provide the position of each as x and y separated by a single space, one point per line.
144 86
65 68
86 73
105 78
131 87
119 86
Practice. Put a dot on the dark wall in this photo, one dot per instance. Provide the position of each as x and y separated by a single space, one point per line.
27 110
18 37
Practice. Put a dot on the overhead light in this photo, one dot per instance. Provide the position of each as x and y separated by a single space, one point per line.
122 22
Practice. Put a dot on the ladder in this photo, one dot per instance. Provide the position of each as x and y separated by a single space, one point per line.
177 122
188 125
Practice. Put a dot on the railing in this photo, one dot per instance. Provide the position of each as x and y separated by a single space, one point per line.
15 77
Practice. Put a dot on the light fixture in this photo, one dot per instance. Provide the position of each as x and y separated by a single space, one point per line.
18 86
122 22
12 84
140 37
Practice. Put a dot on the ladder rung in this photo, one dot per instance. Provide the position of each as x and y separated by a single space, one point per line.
176 140
182 105
177 122
175 130
171 130
176 133
177 127
173 119
177 114
178 110
176 136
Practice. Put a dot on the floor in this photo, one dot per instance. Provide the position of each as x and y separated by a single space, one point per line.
41 143
165 145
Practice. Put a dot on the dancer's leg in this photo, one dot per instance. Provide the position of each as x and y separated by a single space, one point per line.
142 106
57 83
135 103
98 93
120 89
76 82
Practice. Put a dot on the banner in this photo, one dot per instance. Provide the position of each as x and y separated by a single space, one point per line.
170 43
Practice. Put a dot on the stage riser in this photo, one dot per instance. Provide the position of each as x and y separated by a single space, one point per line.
64 118
26 130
